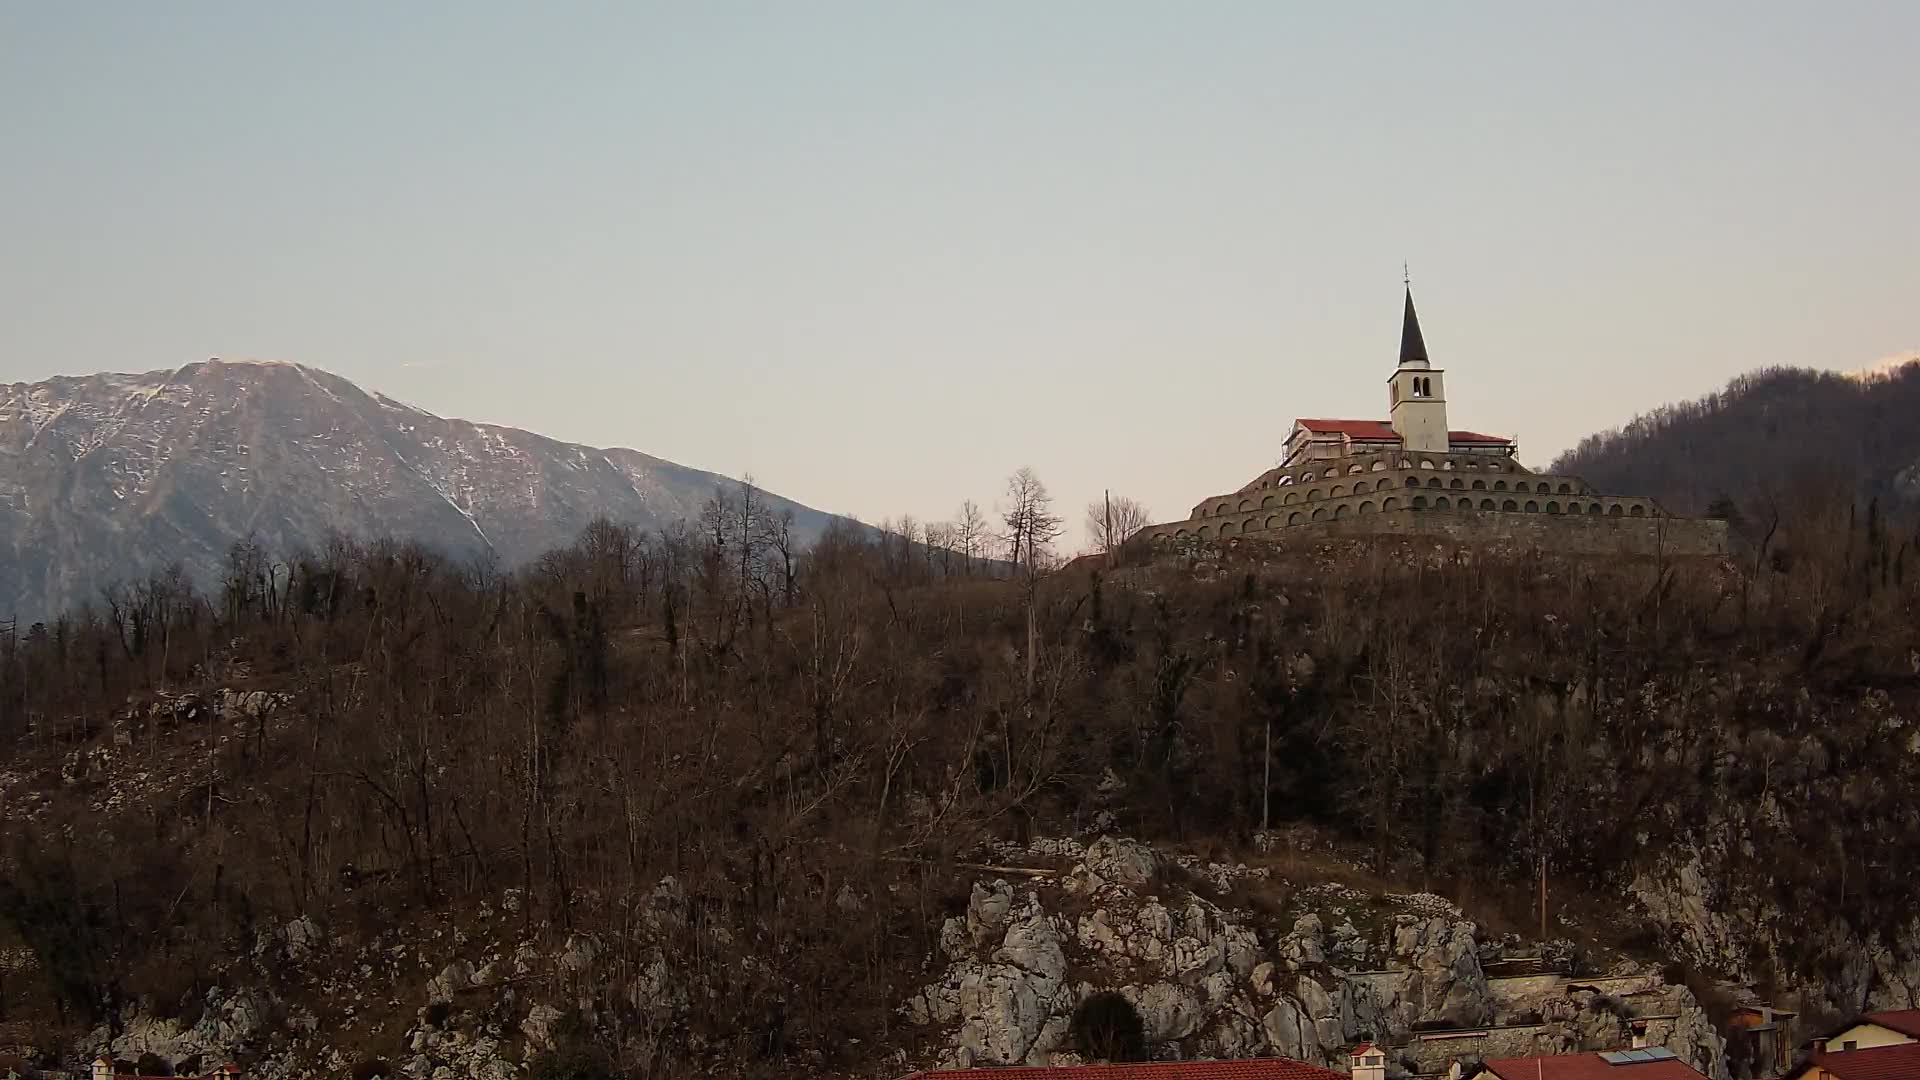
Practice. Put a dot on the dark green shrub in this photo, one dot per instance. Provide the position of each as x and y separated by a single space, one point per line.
1107 1027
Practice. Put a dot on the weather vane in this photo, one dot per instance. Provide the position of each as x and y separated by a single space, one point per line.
1406 275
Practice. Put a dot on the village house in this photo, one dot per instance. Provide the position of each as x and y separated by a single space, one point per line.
1897 1062
1239 1069
1651 1063
1894 1028
1877 1046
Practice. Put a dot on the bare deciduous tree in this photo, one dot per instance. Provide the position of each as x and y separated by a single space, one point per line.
1112 520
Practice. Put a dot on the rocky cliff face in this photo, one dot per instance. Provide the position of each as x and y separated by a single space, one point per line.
1209 981
109 477
479 994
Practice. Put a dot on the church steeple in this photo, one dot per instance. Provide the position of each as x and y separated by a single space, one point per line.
1413 348
1416 396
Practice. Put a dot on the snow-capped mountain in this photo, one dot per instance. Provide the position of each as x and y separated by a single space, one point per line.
109 477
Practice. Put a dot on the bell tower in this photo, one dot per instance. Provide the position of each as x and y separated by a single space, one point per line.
1417 390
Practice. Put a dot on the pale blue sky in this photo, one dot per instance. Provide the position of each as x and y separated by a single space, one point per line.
881 254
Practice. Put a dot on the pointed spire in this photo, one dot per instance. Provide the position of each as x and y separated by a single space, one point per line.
1413 348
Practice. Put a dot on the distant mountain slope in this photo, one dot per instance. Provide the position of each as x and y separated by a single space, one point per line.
107 477
1762 432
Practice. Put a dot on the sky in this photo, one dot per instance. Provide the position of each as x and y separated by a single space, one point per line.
880 254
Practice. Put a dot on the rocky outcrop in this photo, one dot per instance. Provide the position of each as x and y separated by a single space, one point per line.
1210 981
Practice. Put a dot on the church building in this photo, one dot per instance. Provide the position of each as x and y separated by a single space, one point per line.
1413 473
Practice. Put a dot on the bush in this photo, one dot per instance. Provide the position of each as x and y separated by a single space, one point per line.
576 1061
1107 1027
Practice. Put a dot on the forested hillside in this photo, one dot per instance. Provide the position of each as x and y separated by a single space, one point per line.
1767 439
373 739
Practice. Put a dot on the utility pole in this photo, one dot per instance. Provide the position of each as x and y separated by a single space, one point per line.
1106 539
1543 896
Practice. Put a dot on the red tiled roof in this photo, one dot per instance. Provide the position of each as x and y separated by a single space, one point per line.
1474 436
1243 1069
1900 1062
1352 429
1588 1067
1382 430
1904 1021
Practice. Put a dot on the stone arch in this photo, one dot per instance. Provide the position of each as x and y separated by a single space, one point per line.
1566 489
1637 511
1283 481
1377 466
1312 495
1486 504
1306 476
1447 465
1532 507
1337 491
1509 505
1479 485
1226 529
1499 485
1340 511
1413 481
1433 481
1223 508
1463 504
1183 535
1425 463
1389 503
1553 508
1320 514
1354 468
1273 522
1205 533
1296 518
1593 508
1419 502
1441 503
1458 484
1367 507
1267 503
1544 487
1615 510
1359 487
1246 505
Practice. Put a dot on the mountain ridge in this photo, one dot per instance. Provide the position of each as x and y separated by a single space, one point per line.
112 475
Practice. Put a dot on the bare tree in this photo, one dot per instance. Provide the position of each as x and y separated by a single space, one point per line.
970 534
1112 520
1031 524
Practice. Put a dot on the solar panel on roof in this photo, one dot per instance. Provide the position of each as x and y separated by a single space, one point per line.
1636 1057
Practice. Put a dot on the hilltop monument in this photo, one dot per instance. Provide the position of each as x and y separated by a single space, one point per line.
1412 474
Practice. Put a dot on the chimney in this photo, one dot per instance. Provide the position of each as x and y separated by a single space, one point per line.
102 1069
1369 1062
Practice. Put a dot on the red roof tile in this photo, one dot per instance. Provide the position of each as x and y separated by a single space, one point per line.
1382 431
1352 429
1900 1062
1243 1069
1474 436
1904 1021
1588 1067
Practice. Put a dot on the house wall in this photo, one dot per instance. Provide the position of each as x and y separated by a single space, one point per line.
1867 1036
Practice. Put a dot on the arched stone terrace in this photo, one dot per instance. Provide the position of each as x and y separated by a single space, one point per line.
1404 496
